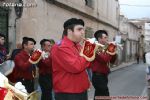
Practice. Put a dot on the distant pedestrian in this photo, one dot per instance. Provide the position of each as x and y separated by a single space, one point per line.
137 58
144 59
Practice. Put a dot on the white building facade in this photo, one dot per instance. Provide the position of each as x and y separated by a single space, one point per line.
44 18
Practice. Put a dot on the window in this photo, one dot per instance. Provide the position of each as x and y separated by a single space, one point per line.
50 1
89 3
89 32
4 23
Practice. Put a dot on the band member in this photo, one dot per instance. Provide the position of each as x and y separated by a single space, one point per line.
24 70
70 79
45 71
100 66
3 51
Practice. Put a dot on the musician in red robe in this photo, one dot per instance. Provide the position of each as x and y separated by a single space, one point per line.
70 79
45 70
24 70
100 66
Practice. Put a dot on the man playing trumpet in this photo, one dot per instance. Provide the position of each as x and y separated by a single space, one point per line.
100 66
25 60
70 80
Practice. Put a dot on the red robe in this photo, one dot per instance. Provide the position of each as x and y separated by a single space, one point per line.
69 69
101 63
45 66
23 68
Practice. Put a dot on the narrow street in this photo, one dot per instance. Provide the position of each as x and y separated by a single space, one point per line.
48 44
127 81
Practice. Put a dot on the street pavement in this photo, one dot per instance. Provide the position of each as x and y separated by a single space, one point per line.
129 79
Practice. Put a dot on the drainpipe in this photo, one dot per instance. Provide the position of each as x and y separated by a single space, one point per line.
15 30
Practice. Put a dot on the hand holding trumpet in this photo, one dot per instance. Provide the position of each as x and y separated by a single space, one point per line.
109 48
90 48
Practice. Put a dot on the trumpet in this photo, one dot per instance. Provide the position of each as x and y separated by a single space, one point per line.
109 48
91 47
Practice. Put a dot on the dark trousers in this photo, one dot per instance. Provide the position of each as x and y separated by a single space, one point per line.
100 82
45 82
29 84
71 96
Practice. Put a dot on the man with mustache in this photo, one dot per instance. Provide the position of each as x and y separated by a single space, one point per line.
24 70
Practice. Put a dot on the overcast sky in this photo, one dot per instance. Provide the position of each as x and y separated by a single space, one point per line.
137 11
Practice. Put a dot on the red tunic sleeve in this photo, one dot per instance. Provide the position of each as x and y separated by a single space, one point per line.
71 62
103 57
22 62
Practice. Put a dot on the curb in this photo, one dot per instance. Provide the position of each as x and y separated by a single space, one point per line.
144 93
123 65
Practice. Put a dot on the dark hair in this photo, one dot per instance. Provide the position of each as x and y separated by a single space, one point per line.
70 24
71 27
43 41
26 39
2 35
98 34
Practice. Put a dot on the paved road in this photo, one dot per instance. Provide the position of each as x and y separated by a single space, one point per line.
127 81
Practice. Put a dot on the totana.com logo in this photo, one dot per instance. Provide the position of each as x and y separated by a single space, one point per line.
19 4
